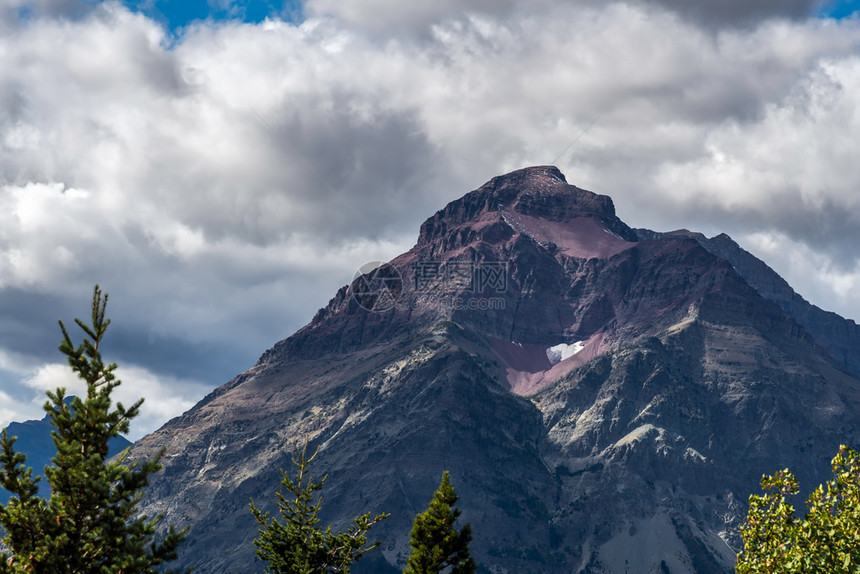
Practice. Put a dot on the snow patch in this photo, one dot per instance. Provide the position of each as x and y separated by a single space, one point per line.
562 351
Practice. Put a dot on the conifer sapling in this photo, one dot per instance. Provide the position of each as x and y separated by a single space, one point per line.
436 544
89 525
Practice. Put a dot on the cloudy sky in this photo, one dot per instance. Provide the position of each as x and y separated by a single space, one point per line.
222 167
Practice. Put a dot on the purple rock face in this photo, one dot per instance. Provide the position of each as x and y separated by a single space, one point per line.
605 399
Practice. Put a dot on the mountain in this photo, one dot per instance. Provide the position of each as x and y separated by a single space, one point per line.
34 440
840 338
605 398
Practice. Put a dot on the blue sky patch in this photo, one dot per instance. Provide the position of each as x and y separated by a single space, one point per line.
175 14
841 9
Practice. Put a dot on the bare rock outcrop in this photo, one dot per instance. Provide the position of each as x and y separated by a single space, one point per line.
605 399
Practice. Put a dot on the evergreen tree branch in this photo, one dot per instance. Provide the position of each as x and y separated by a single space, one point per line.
89 524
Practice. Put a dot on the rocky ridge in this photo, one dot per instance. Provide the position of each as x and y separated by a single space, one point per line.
839 337
605 398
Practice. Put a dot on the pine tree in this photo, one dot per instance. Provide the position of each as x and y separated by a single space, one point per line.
436 544
298 545
89 524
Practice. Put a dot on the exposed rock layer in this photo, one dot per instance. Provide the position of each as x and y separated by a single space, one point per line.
635 454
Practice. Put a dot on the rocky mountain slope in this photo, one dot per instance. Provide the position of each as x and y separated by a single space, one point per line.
839 337
605 398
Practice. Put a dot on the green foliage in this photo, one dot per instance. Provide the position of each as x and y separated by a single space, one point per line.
436 544
298 545
826 540
89 524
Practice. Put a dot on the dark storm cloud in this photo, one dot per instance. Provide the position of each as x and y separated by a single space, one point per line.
50 8
831 228
29 322
364 176
738 12
30 327
327 170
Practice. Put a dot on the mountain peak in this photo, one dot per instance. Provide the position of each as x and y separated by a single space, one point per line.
531 202
589 384
543 191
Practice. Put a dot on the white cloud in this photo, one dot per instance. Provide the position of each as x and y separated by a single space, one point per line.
394 17
815 275
15 410
52 376
223 184
792 169
164 397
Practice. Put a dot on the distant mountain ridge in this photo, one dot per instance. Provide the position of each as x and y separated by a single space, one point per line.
605 398
838 336
34 440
